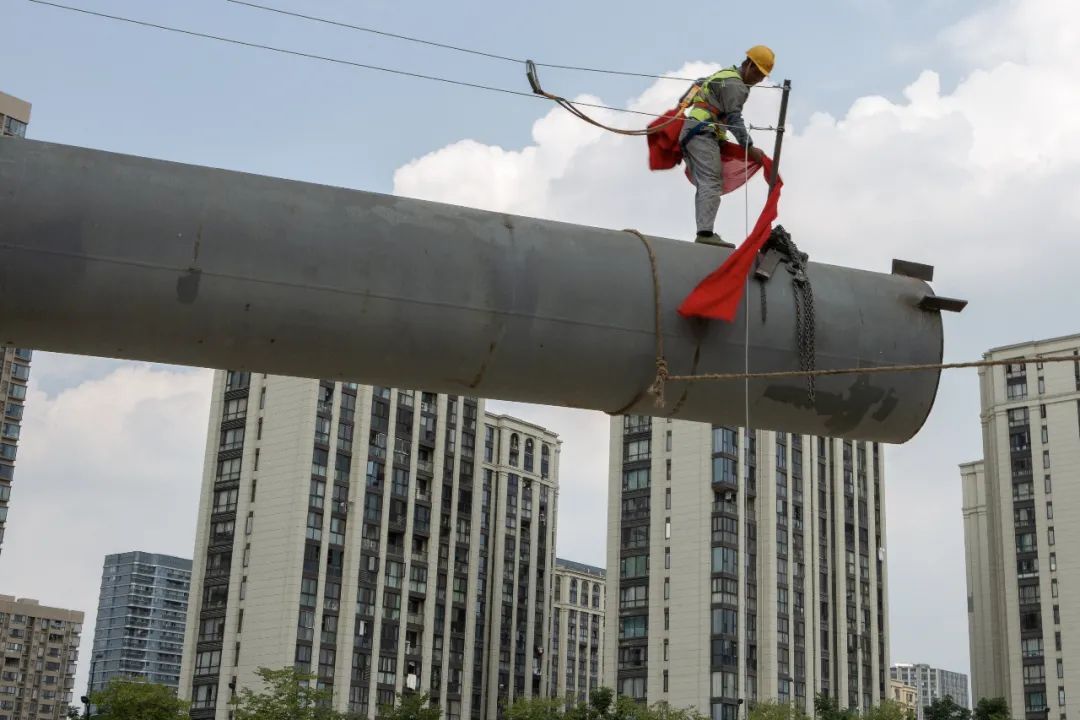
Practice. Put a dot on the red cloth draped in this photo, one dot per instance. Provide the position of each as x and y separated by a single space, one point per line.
718 296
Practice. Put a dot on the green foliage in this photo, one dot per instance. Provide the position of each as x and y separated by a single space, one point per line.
133 700
776 711
991 709
945 709
535 709
74 713
602 705
828 708
287 695
889 710
411 706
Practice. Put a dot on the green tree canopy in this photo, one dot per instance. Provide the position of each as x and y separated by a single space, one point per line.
991 709
889 710
945 709
124 699
772 710
411 706
287 695
828 708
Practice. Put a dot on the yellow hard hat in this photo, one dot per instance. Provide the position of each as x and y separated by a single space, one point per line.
763 57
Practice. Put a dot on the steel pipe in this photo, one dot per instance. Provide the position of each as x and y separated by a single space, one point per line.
129 257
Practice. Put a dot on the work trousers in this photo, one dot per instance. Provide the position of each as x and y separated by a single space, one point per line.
702 155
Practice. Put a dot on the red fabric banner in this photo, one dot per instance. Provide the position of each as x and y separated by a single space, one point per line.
717 297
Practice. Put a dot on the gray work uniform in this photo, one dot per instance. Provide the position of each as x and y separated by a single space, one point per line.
725 98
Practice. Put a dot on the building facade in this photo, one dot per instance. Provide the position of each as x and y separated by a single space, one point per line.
38 653
931 684
14 362
746 566
1022 530
141 615
904 695
14 116
380 539
577 630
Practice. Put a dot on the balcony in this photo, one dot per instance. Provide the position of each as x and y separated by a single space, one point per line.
420 557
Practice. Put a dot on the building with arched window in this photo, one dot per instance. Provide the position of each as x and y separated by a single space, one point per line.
577 630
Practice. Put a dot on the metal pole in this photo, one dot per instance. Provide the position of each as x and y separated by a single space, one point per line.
780 129
119 256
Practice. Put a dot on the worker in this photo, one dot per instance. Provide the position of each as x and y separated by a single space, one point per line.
716 108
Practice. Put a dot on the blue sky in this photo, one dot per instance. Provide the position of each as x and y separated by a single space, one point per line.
102 84
898 147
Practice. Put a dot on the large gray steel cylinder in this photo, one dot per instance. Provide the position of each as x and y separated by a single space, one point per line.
119 256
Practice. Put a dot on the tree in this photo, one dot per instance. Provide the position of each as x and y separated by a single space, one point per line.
74 713
413 706
535 709
124 699
945 709
889 710
287 695
991 709
828 708
776 711
663 711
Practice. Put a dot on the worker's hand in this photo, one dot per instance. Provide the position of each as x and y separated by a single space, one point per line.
755 154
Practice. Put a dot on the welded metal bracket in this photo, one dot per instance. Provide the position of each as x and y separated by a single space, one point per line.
929 302
939 303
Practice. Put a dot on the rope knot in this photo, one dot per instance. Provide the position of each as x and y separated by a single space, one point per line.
657 387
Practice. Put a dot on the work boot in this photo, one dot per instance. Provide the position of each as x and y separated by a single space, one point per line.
711 238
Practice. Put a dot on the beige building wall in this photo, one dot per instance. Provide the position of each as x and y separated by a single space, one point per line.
578 630
1031 445
381 539
39 648
985 577
14 115
764 574
904 695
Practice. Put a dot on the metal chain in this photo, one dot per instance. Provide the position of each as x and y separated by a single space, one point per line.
803 292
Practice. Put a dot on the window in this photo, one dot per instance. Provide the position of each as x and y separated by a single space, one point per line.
1031 647
203 696
1053 588
724 471
314 526
635 536
724 622
1050 536
387 670
633 657
725 590
211 629
1053 562
633 626
234 409
632 687
636 479
1049 511
629 567
215 596
634 596
228 470
725 530
636 450
208 662
725 560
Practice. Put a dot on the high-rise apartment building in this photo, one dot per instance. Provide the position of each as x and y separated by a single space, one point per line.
1022 531
14 362
381 539
931 684
39 647
746 566
141 617
577 630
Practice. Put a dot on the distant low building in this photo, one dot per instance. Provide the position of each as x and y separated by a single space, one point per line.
577 630
932 684
37 659
907 696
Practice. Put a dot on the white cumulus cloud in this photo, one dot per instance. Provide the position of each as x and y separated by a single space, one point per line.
981 180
